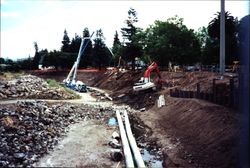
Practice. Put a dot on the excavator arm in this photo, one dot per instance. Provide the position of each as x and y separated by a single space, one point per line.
145 82
151 68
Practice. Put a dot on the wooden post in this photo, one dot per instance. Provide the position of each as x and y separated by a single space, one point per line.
176 92
191 94
214 91
198 90
231 95
181 93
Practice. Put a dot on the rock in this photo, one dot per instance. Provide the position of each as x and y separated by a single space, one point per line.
29 86
19 155
114 143
31 128
115 135
143 109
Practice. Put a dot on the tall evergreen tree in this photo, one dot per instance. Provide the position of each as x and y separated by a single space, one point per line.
132 49
75 44
66 42
36 47
37 57
101 55
116 49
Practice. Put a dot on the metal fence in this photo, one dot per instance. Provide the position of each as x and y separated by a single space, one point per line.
222 93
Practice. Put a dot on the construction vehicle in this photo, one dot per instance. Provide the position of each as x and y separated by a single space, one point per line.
70 81
145 82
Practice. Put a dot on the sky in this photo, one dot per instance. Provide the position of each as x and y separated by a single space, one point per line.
24 22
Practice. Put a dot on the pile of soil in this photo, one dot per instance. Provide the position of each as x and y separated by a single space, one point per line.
205 133
187 81
119 84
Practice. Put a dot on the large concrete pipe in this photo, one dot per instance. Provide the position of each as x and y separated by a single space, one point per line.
132 142
126 149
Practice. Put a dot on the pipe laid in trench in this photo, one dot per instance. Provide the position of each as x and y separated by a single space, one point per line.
125 144
132 142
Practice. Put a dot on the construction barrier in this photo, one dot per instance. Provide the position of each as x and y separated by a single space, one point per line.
219 94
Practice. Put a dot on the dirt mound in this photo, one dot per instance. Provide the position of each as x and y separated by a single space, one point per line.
188 80
32 87
207 132
120 84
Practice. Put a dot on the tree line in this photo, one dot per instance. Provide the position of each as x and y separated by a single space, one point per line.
163 42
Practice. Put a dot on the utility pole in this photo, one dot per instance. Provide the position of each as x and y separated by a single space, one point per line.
222 37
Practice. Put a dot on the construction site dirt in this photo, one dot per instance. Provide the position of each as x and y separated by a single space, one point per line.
186 132
196 128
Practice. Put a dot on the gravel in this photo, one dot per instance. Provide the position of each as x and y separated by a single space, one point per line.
32 87
29 130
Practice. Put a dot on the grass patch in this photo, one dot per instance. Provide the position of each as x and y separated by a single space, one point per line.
11 75
54 84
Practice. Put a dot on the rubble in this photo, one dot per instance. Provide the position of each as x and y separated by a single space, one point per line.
29 130
31 87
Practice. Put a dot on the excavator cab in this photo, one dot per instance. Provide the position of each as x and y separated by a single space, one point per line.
145 82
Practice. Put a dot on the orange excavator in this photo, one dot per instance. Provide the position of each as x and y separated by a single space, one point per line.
145 82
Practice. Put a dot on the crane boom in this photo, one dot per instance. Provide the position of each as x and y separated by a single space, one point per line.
81 51
71 82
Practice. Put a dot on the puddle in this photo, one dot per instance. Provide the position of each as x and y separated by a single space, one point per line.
151 159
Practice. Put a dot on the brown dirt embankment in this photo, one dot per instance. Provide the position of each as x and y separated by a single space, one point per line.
205 134
201 134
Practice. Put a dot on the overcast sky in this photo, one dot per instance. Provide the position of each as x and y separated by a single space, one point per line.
44 21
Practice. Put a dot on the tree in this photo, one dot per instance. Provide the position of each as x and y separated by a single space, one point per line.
75 44
59 59
101 55
116 49
36 47
37 56
231 38
65 42
171 41
24 64
131 49
205 41
2 61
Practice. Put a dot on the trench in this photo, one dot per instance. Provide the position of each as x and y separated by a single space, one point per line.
89 133
150 149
